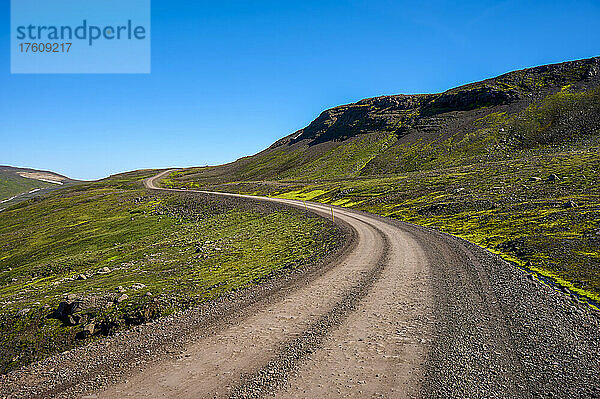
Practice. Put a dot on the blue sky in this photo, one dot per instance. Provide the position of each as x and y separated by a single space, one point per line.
229 78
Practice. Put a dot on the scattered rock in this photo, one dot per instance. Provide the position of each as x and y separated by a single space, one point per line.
82 277
23 312
148 313
90 328
77 318
553 177
66 312
121 289
148 293
517 246
83 334
104 270
570 204
535 178
138 286
122 298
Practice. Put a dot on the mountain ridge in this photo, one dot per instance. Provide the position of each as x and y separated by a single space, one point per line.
523 110
500 90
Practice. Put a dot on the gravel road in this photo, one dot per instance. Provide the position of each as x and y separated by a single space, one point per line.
401 312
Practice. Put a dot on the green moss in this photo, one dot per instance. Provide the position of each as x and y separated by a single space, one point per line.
183 251
496 205
303 195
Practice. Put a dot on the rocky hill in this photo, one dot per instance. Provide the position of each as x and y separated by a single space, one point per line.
510 164
530 110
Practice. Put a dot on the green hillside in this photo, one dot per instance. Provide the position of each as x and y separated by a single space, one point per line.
510 163
91 259
11 183
521 113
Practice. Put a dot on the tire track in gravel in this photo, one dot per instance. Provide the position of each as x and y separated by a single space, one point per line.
277 371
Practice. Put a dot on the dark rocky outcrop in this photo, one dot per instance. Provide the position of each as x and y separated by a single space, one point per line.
66 312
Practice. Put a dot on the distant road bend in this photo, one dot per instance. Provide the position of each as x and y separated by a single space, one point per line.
404 312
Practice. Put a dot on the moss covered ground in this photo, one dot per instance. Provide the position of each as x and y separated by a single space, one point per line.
540 211
518 177
128 256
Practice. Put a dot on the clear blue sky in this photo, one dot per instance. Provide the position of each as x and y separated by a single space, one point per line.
229 78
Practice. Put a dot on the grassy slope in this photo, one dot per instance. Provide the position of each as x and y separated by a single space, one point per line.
460 161
13 184
500 206
182 251
492 120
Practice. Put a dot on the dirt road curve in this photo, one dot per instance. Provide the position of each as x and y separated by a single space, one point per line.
367 355
405 312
